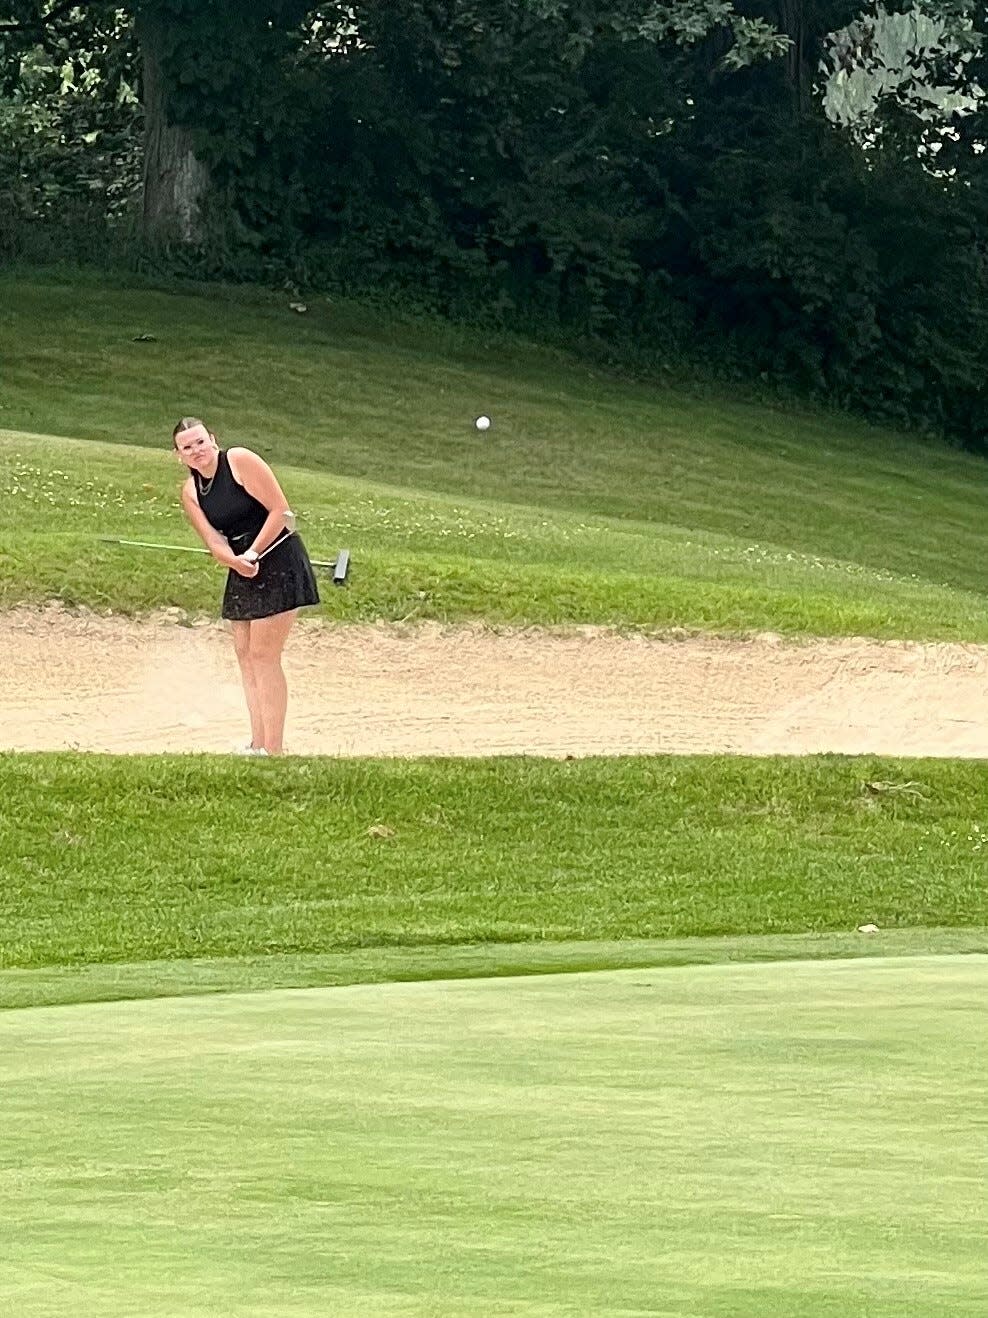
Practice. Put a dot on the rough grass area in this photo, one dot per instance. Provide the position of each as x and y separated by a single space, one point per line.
143 860
590 500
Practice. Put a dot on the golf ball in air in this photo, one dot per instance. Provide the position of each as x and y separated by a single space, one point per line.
483 423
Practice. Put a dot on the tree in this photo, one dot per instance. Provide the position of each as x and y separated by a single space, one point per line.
176 180
217 83
209 74
647 172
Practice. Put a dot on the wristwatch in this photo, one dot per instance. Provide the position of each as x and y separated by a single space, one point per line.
250 556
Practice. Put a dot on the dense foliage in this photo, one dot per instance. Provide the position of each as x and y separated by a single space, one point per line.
70 146
659 178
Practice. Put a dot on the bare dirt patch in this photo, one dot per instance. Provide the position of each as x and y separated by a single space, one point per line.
78 681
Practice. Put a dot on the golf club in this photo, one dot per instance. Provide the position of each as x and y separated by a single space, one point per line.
339 565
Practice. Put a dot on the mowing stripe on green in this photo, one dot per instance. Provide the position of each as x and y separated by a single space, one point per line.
55 985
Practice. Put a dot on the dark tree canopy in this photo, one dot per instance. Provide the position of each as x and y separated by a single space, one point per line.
658 179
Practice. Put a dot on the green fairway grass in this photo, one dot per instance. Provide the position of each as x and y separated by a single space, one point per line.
710 1142
590 500
146 859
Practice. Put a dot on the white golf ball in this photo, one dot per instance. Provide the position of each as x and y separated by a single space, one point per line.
483 423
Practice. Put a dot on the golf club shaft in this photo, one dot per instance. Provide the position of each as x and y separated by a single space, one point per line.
190 549
146 544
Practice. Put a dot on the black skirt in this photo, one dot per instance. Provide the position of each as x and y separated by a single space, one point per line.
285 581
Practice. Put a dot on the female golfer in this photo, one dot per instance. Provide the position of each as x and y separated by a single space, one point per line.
235 503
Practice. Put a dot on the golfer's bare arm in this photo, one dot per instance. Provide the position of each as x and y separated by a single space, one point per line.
217 544
257 478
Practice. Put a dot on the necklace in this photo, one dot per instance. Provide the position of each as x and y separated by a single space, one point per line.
206 485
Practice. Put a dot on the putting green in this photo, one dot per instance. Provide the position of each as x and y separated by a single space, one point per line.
746 1140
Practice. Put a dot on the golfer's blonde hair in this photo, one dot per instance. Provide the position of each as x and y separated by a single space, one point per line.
186 423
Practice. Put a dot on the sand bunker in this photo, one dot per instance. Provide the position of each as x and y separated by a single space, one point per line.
79 681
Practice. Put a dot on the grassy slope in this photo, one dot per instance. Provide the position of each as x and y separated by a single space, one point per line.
418 555
592 499
134 860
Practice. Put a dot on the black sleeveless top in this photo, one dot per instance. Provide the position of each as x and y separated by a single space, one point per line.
229 508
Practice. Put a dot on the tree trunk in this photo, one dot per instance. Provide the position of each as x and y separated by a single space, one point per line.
791 22
175 181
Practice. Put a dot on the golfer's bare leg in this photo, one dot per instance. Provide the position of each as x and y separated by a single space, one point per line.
241 644
267 640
